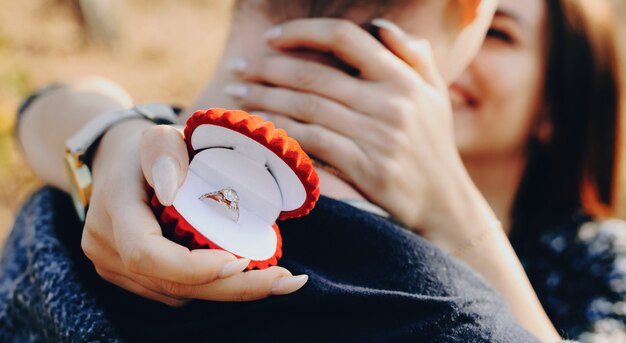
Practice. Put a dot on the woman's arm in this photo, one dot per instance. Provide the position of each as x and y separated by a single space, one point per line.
121 235
477 238
52 118
390 132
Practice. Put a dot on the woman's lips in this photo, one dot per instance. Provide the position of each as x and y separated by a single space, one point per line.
462 99
457 100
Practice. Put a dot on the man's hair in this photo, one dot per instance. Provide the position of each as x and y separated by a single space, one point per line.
283 10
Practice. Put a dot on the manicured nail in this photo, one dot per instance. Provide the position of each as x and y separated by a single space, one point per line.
236 90
273 33
263 115
388 25
237 65
165 179
419 46
233 267
289 284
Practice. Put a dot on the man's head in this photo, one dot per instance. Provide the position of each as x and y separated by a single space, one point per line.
455 28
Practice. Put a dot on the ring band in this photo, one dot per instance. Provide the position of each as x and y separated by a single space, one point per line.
227 197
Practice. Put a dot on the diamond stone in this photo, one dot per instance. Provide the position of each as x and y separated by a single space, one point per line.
230 195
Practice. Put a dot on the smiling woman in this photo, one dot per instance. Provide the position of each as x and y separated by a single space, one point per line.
537 124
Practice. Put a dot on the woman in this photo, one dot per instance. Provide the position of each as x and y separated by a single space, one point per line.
551 173
123 240
536 118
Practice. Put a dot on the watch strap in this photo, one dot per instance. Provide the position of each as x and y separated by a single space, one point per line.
80 142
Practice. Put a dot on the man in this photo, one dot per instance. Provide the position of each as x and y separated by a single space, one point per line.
369 279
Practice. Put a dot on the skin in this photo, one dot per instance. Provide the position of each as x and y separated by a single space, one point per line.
398 90
497 102
380 130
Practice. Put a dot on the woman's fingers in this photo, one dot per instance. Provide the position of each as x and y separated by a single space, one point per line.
251 285
337 150
145 251
136 288
344 39
417 53
164 161
234 285
303 107
110 263
300 74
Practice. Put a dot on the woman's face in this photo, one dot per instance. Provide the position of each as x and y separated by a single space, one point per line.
497 100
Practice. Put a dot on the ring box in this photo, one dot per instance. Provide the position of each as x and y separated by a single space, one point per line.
273 178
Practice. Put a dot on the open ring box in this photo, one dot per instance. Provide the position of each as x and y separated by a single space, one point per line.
273 178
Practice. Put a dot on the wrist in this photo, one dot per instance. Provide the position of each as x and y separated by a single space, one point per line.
459 214
120 144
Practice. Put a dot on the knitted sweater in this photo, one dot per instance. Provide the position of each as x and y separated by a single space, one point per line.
369 280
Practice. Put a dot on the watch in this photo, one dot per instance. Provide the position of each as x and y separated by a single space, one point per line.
78 146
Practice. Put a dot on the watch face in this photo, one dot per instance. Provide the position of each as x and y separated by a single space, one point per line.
80 183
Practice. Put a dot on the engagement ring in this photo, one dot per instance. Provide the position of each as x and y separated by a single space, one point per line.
227 198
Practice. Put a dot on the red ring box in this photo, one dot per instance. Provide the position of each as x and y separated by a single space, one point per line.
273 177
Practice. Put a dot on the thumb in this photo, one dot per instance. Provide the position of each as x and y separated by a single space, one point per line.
417 53
164 161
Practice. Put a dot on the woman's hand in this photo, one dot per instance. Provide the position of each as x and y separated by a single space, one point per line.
123 238
389 130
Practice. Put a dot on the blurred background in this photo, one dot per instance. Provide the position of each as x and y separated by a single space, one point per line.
159 50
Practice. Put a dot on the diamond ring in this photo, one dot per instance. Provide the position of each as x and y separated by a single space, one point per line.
227 197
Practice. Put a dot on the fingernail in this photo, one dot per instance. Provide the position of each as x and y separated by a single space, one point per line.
237 65
273 33
388 25
236 90
165 179
419 45
288 284
263 115
233 267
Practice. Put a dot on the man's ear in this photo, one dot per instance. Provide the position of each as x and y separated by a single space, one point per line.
473 23
468 12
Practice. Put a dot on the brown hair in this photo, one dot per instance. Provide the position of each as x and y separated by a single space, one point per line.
282 10
576 170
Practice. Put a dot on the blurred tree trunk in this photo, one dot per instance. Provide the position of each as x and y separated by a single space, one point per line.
102 19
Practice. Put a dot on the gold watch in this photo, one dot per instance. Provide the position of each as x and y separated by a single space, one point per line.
77 146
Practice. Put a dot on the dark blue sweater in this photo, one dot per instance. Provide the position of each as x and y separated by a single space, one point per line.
370 280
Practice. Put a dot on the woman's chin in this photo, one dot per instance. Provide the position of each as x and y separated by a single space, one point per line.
469 143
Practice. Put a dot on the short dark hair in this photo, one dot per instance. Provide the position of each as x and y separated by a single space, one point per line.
282 10
577 170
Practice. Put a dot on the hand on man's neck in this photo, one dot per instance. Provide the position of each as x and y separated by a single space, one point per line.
213 96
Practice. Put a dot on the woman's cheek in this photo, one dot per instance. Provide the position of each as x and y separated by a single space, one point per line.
505 86
517 104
